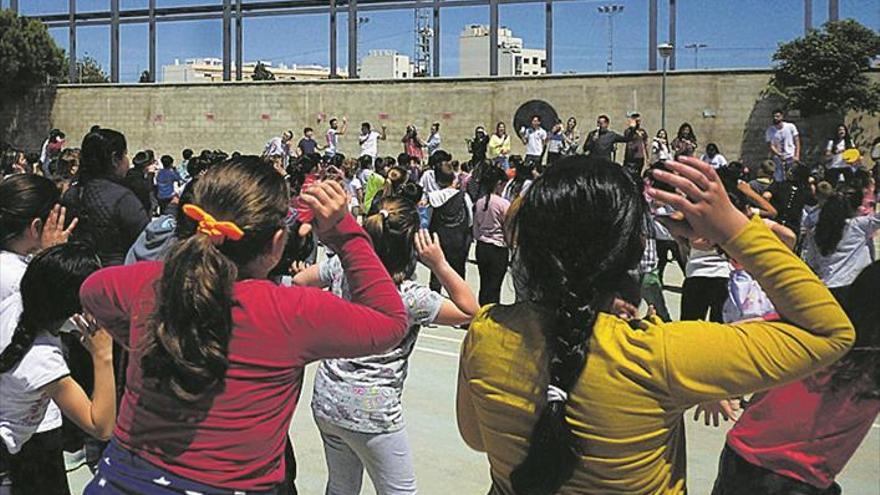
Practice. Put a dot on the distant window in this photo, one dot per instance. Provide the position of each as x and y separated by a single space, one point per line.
544 63
403 75
535 60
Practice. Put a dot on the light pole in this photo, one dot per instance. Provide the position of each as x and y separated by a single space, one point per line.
360 22
610 11
665 50
696 48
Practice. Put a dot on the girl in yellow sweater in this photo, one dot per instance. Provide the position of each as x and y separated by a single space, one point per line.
564 397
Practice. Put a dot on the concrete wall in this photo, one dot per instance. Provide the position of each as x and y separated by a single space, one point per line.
724 107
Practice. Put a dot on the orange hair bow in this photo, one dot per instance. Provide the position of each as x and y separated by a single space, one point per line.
208 225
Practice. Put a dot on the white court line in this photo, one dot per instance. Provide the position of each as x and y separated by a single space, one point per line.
445 339
435 351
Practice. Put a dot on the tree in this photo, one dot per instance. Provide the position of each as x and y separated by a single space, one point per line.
826 71
88 71
29 55
261 73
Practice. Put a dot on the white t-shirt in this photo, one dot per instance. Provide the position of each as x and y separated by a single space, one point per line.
837 153
783 139
24 408
332 141
716 161
12 267
535 141
707 264
370 144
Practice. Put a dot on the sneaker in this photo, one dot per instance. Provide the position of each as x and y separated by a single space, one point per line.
74 460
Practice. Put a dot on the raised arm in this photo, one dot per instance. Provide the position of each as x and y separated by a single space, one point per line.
375 319
462 304
712 361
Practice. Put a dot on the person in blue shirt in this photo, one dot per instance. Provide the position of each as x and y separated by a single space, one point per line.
167 182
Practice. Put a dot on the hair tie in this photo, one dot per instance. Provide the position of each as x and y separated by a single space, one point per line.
556 394
208 225
384 214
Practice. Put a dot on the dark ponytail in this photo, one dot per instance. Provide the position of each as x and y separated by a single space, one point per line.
49 295
490 176
578 232
832 219
185 349
23 198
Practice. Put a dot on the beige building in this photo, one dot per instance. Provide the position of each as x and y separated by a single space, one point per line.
211 70
513 58
386 64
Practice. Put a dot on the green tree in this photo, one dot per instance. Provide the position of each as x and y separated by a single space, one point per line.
88 71
826 70
28 55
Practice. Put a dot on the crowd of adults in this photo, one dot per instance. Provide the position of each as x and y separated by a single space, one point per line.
156 314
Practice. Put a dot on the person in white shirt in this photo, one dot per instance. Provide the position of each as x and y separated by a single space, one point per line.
841 142
35 383
714 157
30 220
785 144
369 140
434 140
535 138
660 151
279 148
333 133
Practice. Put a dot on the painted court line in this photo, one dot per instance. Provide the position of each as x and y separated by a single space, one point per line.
437 337
435 351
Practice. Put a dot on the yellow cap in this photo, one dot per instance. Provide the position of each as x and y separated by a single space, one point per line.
851 156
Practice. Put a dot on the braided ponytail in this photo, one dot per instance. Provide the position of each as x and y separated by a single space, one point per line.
578 231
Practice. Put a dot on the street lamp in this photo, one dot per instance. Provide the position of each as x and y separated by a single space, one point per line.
610 11
665 50
696 48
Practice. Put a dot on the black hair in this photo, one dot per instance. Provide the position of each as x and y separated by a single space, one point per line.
404 160
692 135
863 360
8 161
577 234
524 171
167 161
490 176
331 122
307 130
439 157
840 207
24 197
444 174
604 117
367 125
712 146
99 152
365 162
187 154
847 138
778 110
49 295
94 128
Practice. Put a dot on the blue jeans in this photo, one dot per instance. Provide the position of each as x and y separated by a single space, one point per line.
783 165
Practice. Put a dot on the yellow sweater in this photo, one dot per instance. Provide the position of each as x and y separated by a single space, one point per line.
626 409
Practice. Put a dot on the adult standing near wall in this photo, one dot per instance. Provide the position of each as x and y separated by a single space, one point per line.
279 148
369 140
535 138
499 146
785 144
434 140
602 140
333 134
635 155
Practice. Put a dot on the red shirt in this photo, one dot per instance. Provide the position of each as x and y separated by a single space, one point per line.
803 430
236 439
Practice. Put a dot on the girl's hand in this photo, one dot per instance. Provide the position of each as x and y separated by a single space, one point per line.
54 232
428 249
328 201
298 266
725 408
95 339
706 207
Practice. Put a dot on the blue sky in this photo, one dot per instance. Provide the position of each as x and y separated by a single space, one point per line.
741 33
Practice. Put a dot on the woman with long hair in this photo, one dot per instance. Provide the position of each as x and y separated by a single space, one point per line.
492 252
571 138
35 383
685 142
357 403
797 438
524 175
498 149
564 396
840 247
840 142
218 351
660 147
111 216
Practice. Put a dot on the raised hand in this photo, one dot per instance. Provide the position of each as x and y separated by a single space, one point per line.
328 201
428 249
708 212
54 232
